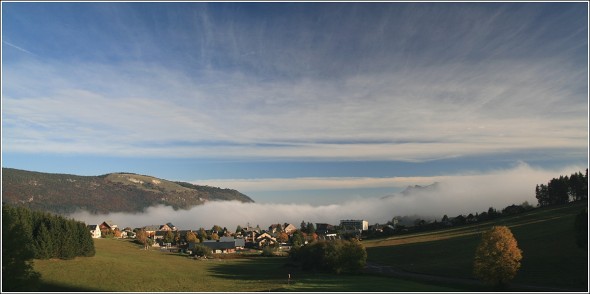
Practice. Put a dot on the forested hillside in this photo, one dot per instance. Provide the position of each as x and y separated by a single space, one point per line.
117 192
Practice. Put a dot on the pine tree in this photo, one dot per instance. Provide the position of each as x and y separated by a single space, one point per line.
43 243
17 253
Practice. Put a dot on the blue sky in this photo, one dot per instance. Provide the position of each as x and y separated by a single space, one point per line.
296 102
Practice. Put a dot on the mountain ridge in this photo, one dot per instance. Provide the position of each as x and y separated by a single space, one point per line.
113 192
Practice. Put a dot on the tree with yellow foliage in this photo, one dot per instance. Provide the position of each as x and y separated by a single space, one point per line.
497 258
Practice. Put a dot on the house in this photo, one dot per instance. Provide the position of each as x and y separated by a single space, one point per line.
107 225
151 230
239 243
167 227
289 229
264 240
128 233
94 231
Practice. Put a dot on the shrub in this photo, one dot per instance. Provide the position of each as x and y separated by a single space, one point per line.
201 250
269 251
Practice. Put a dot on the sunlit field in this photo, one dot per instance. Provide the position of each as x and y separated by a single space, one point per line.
121 265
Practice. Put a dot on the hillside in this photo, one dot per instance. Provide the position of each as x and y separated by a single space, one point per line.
116 192
551 258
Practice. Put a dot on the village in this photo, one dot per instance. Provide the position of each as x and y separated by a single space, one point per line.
280 237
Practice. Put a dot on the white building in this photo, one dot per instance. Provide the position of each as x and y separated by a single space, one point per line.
356 225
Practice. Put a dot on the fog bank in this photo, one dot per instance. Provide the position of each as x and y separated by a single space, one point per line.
454 195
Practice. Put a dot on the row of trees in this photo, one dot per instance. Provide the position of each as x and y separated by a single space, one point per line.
28 234
563 189
52 236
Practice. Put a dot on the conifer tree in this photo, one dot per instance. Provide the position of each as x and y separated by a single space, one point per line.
17 253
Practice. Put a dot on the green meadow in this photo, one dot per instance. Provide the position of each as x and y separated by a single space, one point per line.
122 266
551 260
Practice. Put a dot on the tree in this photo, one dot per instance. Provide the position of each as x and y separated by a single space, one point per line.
117 233
334 256
169 237
310 228
297 239
282 237
141 237
201 250
17 254
497 258
214 236
202 234
192 238
177 237
216 229
353 256
238 229
581 229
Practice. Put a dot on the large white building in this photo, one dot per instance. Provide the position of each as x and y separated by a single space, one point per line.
350 224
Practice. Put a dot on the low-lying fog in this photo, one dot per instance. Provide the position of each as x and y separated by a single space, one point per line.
454 195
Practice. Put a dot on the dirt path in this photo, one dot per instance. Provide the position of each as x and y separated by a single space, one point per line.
390 271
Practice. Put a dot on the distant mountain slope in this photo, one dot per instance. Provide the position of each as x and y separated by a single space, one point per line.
415 190
116 192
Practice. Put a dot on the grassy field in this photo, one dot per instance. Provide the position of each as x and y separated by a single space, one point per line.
121 266
550 255
551 259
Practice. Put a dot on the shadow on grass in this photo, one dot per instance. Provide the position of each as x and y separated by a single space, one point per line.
274 272
56 287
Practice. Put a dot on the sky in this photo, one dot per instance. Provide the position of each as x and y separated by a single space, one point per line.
313 104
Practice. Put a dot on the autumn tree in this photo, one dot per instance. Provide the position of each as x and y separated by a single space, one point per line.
497 258
191 237
282 237
117 233
142 238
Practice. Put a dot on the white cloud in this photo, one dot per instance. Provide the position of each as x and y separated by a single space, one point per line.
457 194
426 113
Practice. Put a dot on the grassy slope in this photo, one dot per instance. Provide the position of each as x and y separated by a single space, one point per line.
122 266
550 256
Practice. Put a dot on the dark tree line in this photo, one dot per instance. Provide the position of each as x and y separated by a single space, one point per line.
563 189
51 236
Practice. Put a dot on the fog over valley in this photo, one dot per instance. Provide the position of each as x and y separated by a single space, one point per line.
453 195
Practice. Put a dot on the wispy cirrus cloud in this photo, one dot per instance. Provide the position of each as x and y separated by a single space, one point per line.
422 116
305 83
18 48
